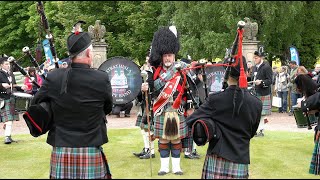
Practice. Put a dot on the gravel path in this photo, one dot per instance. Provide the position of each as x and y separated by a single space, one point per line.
277 122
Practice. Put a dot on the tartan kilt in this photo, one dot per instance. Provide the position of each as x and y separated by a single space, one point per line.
187 142
79 163
266 104
159 124
139 121
8 112
219 168
315 161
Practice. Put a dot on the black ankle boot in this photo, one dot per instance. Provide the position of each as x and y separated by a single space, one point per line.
7 140
143 152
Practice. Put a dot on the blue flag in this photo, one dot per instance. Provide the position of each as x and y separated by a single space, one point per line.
47 51
294 55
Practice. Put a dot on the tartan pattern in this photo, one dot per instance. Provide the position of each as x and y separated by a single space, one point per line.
315 161
188 141
79 163
8 112
158 126
266 104
158 83
139 121
219 168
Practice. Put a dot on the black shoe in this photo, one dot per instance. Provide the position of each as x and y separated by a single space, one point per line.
178 173
127 115
7 140
147 156
12 139
161 173
196 155
189 156
260 134
143 152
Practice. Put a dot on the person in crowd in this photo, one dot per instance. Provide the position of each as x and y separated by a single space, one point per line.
249 71
117 108
231 118
281 88
316 73
293 87
170 98
7 87
31 88
310 105
80 98
262 73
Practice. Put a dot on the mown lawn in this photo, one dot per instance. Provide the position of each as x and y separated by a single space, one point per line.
282 155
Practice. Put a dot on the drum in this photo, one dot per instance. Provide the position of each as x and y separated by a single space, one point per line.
22 101
301 120
125 78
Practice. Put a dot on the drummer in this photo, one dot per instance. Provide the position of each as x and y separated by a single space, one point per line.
31 88
7 87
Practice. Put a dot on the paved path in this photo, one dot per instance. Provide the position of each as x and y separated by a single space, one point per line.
277 122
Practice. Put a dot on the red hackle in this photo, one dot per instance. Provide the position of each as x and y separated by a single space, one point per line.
77 32
243 83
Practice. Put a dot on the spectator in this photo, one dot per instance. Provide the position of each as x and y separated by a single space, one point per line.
281 88
293 87
117 108
31 88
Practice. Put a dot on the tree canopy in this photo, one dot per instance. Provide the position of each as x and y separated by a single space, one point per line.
206 28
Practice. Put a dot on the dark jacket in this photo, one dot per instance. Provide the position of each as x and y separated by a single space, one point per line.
234 133
6 93
265 74
79 115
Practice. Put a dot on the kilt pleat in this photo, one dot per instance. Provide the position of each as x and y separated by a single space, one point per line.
8 112
79 163
266 104
159 124
219 168
315 161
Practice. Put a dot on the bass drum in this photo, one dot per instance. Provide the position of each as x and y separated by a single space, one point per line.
125 78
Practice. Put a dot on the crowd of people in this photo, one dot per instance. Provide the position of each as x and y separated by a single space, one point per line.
170 109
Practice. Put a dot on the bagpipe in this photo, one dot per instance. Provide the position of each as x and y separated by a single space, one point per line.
27 51
49 35
204 130
13 61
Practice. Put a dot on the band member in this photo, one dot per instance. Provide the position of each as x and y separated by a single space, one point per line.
262 76
170 98
231 117
142 122
80 98
311 106
7 87
31 88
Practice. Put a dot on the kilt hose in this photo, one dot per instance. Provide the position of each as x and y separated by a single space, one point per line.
315 161
159 125
219 168
8 112
79 163
266 104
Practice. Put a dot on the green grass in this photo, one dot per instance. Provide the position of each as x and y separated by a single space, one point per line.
279 154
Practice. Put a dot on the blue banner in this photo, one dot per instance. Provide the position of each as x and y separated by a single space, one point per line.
294 55
47 51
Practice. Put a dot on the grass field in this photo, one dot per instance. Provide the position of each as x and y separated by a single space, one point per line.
282 155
